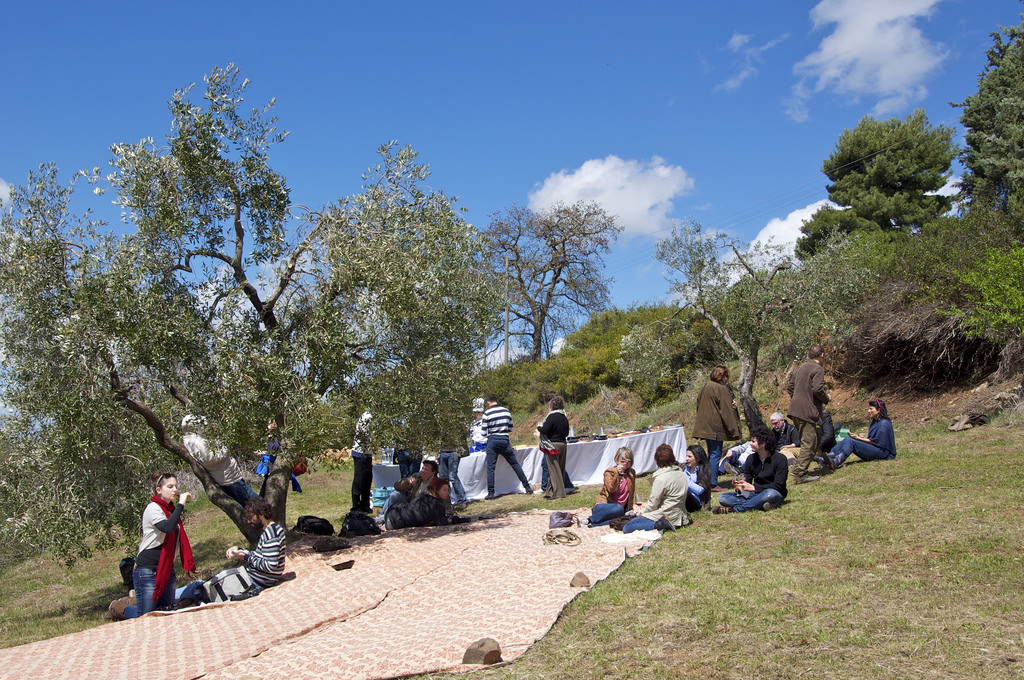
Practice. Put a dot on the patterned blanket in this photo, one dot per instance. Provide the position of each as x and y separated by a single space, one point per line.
412 602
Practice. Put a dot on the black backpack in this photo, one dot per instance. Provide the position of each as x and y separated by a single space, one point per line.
358 524
127 566
310 524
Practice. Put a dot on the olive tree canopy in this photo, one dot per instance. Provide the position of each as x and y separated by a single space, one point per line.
222 299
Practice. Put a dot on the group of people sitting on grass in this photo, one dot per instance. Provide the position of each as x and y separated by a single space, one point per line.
760 469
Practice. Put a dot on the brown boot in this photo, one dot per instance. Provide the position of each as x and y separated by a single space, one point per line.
115 612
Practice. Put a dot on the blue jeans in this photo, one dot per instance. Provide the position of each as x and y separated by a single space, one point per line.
408 464
240 491
193 591
638 524
394 498
604 513
863 450
714 457
738 503
144 580
448 468
499 446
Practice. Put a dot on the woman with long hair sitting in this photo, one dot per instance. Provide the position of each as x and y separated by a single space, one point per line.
698 476
878 444
163 537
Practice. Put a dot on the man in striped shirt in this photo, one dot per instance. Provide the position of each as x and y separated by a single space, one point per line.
497 424
265 564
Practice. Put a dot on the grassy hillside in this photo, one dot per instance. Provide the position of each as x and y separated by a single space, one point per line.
895 569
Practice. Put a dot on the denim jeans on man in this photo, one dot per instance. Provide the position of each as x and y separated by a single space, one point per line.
498 445
740 504
144 580
240 491
408 464
448 468
640 523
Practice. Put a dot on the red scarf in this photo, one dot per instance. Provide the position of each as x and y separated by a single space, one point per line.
166 564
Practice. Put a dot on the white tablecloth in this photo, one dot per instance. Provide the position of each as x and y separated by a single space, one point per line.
585 462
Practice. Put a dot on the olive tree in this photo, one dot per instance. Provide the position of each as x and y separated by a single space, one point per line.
552 262
756 297
223 299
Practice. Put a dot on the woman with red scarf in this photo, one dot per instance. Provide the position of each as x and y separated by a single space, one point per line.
163 536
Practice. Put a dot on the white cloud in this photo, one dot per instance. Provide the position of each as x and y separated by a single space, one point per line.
950 188
737 41
750 56
5 193
786 230
639 194
875 50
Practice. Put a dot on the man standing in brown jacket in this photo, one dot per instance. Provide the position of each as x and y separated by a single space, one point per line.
807 394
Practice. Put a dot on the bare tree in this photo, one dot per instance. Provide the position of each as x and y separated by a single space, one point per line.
554 267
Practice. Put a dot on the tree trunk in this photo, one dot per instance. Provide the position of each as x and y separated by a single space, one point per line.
537 350
751 409
278 484
226 503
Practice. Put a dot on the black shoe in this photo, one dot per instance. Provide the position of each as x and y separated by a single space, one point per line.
664 525
806 479
251 591
528 491
490 497
768 506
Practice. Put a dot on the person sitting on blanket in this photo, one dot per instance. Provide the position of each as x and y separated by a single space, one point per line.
616 497
410 491
763 486
666 508
265 564
163 538
417 501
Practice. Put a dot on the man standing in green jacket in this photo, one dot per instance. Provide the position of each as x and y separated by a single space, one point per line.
807 395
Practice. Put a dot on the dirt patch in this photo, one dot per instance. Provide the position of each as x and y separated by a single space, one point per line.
849 402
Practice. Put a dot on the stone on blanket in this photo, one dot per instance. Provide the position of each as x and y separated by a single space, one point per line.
483 651
580 580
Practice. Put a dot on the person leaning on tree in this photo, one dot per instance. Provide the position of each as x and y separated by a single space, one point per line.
807 395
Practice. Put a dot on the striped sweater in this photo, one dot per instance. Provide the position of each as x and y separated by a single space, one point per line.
265 564
497 421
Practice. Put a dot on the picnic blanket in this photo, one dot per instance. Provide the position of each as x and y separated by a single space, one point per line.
412 602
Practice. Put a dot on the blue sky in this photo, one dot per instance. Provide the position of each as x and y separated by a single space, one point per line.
722 112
